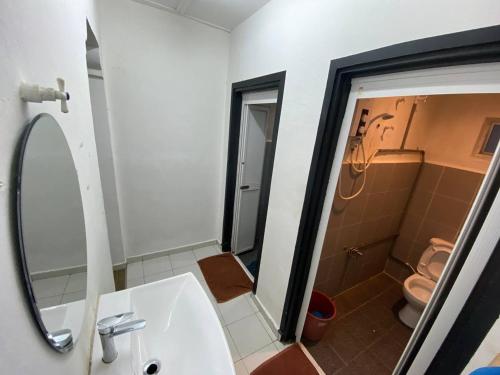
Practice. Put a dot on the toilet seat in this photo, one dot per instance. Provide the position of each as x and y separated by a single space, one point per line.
433 260
418 289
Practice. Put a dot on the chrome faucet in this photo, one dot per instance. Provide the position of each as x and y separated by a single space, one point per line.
113 326
62 339
353 251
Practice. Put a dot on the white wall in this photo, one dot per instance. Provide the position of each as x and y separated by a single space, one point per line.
302 37
165 78
40 41
446 127
106 168
457 120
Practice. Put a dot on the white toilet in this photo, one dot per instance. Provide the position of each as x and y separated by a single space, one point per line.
418 287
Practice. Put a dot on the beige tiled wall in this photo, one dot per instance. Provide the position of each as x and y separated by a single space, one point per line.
438 208
416 201
374 215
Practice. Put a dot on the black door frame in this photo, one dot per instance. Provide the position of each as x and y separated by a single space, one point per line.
275 81
462 48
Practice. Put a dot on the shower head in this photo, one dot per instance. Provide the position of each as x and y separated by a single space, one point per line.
383 116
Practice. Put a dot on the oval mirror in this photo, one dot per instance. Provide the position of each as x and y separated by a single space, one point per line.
51 232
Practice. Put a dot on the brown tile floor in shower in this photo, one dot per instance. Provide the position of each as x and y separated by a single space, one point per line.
366 337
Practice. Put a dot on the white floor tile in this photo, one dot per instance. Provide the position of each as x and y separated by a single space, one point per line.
249 335
156 265
280 346
207 290
184 259
194 268
251 302
158 276
72 297
240 368
236 309
219 314
53 286
48 301
213 300
205 252
234 352
254 360
266 326
76 282
134 270
135 282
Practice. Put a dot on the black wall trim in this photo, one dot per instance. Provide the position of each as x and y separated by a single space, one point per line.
268 82
469 47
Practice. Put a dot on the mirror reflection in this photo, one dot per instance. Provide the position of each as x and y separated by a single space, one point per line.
52 231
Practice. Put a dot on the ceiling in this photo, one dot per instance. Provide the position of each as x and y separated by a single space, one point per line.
223 14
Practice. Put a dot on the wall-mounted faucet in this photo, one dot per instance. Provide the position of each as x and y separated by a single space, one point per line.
113 326
354 251
61 339
37 94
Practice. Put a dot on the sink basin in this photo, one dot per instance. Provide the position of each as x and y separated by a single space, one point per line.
182 330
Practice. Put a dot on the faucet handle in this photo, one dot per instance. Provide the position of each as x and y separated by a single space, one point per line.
107 325
62 339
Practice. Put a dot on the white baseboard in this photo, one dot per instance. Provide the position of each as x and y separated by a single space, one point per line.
270 321
180 249
38 275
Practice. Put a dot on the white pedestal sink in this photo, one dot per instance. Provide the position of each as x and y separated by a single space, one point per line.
182 330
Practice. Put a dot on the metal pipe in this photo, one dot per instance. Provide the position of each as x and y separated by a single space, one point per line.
378 242
408 125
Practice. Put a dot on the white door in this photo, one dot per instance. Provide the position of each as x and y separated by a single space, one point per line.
254 122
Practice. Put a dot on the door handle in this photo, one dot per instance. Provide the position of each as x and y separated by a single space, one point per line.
244 187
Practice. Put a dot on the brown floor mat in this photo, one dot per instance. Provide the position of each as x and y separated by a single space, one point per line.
291 361
225 277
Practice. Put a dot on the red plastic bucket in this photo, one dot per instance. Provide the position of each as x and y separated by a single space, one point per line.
320 313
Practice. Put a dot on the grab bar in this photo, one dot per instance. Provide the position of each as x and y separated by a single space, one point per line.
349 249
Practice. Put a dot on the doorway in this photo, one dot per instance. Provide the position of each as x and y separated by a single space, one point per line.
256 133
405 61
253 131
411 171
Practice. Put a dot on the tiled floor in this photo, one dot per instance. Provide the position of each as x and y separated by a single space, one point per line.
249 337
61 289
366 337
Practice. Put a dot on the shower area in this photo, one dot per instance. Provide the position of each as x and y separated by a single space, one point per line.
411 170
373 191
